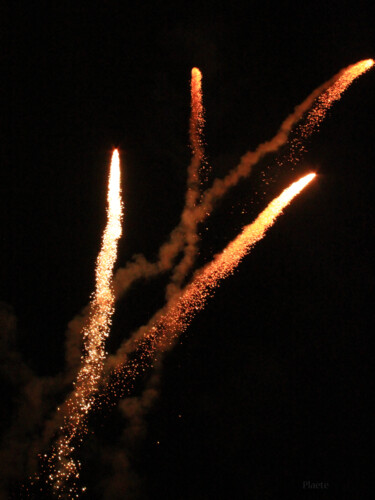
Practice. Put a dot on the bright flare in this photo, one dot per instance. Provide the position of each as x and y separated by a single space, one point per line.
64 469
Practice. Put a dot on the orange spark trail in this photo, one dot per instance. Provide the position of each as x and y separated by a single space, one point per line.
196 137
317 114
334 93
64 469
160 333
197 165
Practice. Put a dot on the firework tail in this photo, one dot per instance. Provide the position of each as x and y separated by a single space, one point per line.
188 225
174 318
64 470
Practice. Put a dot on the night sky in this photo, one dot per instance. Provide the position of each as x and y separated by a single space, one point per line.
270 386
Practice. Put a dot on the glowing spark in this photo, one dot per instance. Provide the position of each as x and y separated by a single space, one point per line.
64 469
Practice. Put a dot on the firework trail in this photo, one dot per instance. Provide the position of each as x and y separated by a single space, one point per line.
95 333
188 224
180 310
317 114
148 345
317 104
196 135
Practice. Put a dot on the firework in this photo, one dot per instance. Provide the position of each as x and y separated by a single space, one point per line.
140 351
77 406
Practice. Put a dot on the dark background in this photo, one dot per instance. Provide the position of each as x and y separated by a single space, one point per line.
270 386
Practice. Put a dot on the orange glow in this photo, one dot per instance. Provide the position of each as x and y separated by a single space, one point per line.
64 469
368 63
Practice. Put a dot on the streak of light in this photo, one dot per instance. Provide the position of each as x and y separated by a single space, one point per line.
65 470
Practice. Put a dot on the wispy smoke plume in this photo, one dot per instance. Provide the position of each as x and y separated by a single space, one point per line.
31 399
124 480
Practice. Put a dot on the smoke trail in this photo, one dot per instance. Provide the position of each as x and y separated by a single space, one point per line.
330 91
123 481
64 470
16 378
